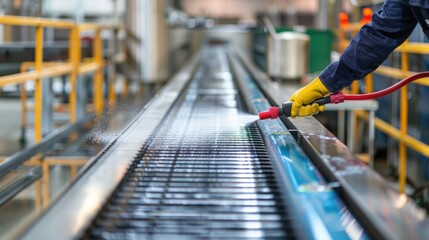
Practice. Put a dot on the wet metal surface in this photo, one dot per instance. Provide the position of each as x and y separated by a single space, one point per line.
204 172
217 191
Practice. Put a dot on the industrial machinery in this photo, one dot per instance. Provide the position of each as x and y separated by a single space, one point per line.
196 163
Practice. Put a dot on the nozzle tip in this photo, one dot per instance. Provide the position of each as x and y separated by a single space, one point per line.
264 115
272 113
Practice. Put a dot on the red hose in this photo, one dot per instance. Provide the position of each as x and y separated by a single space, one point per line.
388 90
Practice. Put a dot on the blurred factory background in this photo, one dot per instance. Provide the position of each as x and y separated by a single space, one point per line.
135 119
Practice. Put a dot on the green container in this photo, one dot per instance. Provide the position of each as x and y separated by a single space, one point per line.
320 46
320 49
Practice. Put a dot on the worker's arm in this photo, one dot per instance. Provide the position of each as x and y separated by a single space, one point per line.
389 28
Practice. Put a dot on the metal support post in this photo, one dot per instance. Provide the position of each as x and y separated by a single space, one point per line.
81 91
350 131
47 105
23 138
340 128
371 137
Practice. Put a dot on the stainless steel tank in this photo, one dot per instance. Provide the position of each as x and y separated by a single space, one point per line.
287 55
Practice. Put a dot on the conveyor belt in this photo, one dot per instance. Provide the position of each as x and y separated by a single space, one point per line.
204 172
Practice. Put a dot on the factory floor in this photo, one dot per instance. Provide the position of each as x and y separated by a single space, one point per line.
23 205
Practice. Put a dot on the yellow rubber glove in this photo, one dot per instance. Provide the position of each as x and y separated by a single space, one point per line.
306 95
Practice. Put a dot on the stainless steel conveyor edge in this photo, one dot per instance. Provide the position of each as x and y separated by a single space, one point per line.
72 211
382 211
316 205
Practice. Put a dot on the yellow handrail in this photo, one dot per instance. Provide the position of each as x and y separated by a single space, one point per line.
407 47
73 67
89 26
46 72
410 47
35 22
400 74
395 133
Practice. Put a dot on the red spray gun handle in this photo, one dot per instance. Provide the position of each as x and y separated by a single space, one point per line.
285 109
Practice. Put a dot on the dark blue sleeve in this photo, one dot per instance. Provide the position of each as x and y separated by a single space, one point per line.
389 28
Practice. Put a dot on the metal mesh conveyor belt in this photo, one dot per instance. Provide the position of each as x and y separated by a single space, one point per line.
204 172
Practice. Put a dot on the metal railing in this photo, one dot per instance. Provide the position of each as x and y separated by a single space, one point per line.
73 67
400 134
